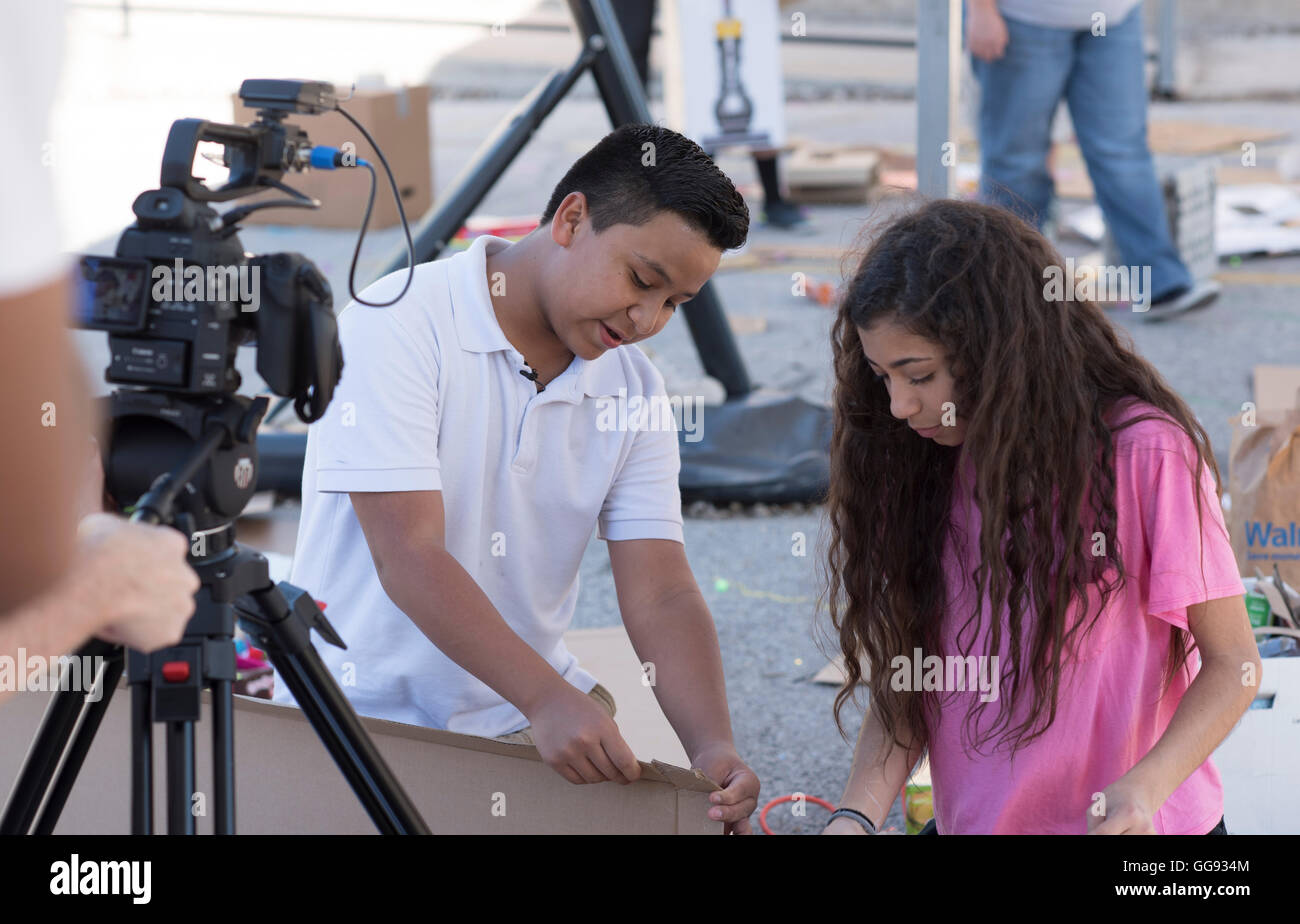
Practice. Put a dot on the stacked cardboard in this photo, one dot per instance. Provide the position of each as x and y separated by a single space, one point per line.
398 120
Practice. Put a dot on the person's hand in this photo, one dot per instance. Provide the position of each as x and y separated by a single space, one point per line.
986 31
1129 809
736 801
577 739
844 825
135 581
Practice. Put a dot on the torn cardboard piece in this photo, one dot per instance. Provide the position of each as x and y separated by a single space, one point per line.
833 673
1186 136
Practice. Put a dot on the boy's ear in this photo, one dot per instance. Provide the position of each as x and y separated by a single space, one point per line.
567 218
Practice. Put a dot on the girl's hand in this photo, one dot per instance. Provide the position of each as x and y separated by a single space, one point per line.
738 797
1129 809
844 825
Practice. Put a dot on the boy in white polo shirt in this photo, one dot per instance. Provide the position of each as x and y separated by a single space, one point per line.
451 489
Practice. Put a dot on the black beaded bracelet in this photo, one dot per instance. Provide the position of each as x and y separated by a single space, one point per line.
857 816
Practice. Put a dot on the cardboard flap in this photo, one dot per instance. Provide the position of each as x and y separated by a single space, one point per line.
694 779
1276 387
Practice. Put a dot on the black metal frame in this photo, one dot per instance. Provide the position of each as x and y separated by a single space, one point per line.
605 54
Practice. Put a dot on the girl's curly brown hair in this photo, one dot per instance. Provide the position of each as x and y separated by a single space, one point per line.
1035 380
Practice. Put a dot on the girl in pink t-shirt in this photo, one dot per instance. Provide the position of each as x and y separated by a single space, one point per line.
999 449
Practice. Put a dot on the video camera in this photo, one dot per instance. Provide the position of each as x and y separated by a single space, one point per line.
181 295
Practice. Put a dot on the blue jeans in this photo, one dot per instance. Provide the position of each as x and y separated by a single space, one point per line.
1101 79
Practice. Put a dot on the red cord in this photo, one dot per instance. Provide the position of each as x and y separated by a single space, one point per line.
762 816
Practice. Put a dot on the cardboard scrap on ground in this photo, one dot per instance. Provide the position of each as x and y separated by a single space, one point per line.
831 173
287 783
1257 219
747 323
1185 136
833 673
1172 137
1237 175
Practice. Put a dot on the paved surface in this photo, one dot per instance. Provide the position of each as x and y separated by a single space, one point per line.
762 596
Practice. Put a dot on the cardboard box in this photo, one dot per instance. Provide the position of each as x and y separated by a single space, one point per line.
831 174
1259 761
1277 388
286 782
398 120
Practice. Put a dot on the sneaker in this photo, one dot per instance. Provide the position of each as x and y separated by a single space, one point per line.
1198 295
784 215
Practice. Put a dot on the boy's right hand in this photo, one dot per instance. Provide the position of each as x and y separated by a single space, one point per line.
134 581
578 739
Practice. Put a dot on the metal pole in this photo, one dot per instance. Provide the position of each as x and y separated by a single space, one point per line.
1166 84
620 89
938 69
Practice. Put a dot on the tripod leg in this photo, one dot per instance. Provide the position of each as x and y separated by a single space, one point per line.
49 746
180 777
223 758
280 618
85 737
141 759
334 720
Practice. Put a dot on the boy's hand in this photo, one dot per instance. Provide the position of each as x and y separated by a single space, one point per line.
578 740
736 801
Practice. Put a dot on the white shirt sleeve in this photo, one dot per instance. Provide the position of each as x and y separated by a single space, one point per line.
645 501
31 41
381 430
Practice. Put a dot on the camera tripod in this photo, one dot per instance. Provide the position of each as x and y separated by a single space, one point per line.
166 686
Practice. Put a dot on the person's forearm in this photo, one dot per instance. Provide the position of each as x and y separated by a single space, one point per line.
443 601
53 624
46 421
1209 709
676 637
875 780
984 6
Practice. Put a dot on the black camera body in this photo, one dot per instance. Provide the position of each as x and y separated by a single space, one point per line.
180 296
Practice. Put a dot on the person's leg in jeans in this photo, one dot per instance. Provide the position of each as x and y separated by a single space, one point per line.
1107 99
1019 93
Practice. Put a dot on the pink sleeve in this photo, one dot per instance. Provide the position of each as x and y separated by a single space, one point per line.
1190 562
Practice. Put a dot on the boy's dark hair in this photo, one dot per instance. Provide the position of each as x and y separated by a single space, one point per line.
627 182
